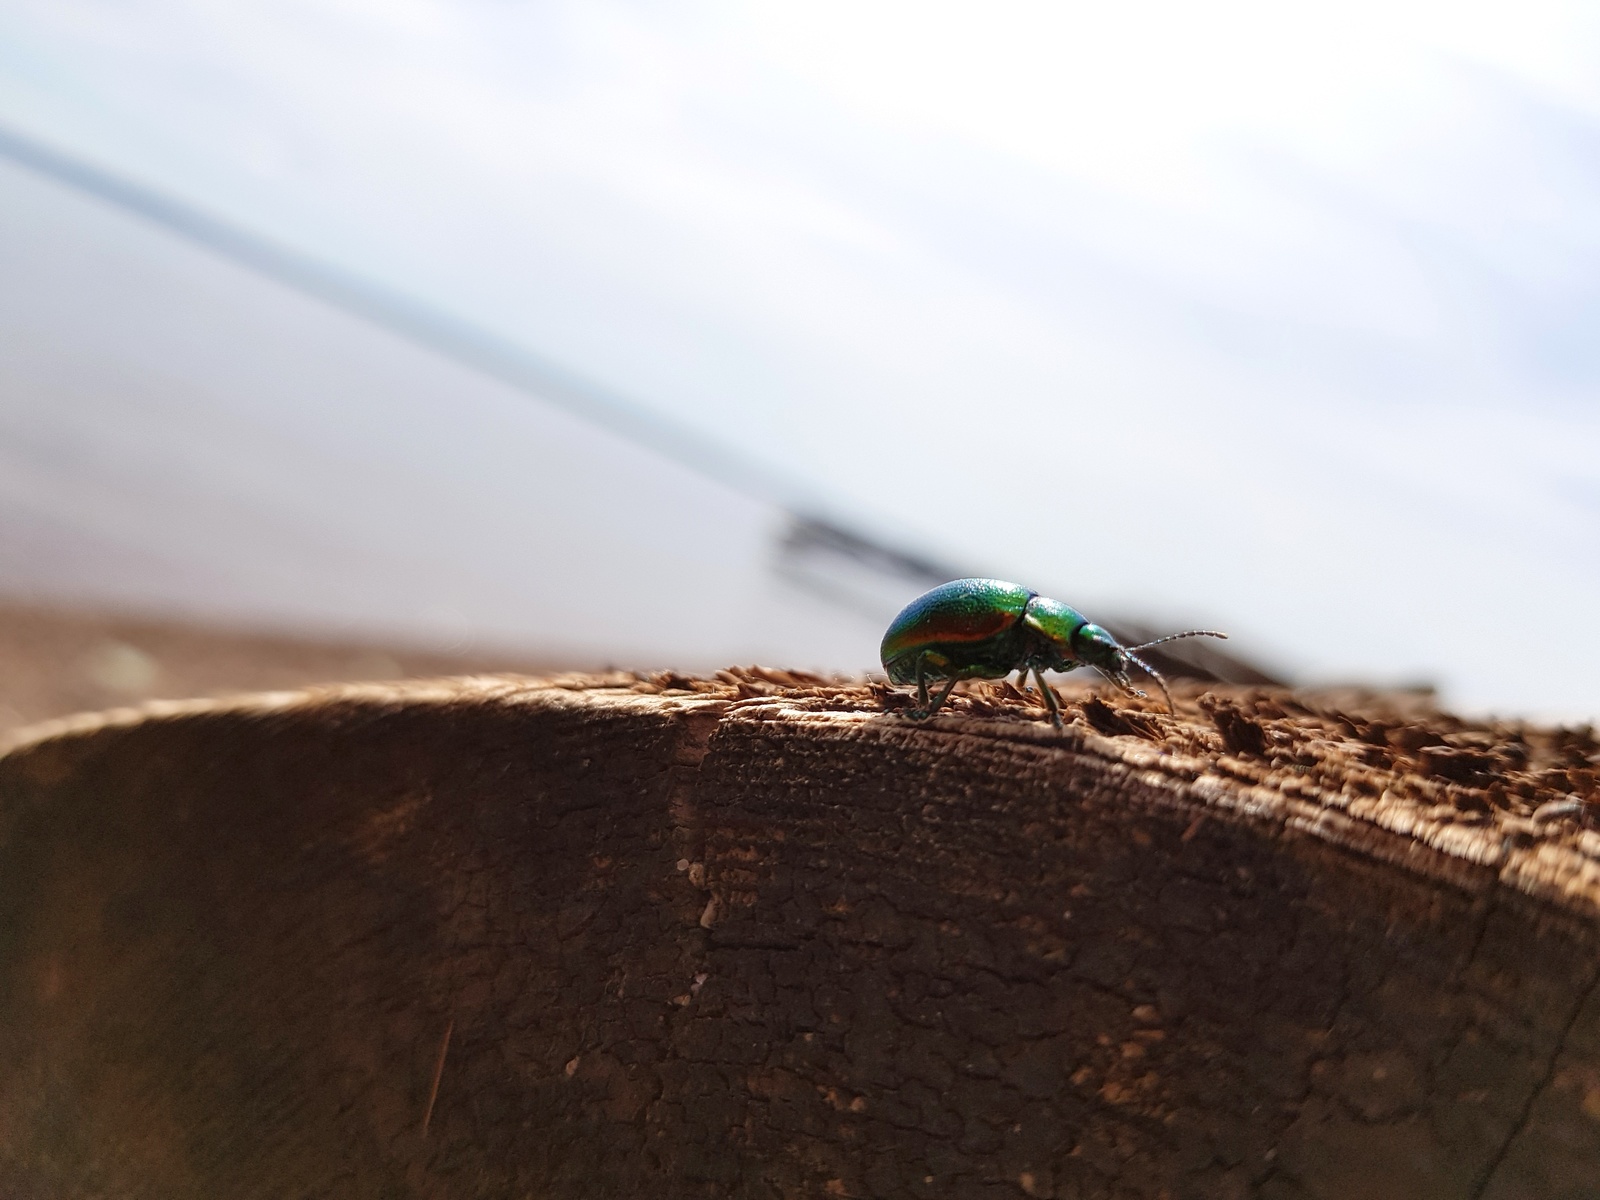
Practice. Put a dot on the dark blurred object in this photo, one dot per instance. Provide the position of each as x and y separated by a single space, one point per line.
875 579
1197 658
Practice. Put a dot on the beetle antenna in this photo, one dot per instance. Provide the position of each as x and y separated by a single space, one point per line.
1155 674
1172 637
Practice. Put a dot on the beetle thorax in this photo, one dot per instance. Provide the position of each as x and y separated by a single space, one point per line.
1053 632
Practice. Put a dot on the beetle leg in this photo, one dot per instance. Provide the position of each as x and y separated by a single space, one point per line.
922 683
1022 681
943 696
1127 685
1049 698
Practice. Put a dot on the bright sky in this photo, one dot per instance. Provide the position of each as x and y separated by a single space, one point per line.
1282 317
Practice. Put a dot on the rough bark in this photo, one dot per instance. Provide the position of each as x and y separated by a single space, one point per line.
679 938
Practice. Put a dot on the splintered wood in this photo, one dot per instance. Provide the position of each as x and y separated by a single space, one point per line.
763 935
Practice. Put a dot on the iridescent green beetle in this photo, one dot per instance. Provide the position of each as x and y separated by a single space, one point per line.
986 629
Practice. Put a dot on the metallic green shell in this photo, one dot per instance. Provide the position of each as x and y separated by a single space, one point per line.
965 611
1057 622
979 629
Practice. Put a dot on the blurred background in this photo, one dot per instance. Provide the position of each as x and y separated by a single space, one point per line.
353 339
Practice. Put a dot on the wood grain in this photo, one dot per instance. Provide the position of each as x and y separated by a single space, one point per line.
762 936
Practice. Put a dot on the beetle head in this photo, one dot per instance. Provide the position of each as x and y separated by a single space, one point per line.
1095 647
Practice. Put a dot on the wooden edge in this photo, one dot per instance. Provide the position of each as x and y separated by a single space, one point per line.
1558 865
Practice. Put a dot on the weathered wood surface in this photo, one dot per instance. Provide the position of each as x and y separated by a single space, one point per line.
734 938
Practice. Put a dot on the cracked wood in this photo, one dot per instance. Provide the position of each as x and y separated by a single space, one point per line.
756 936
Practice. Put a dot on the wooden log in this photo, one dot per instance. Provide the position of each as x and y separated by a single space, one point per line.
758 937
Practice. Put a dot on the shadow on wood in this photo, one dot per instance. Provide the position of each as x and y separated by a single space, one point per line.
676 938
